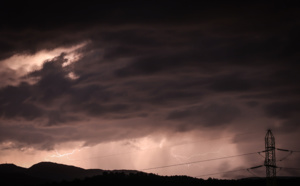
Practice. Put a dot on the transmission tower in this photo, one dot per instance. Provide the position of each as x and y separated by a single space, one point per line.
270 159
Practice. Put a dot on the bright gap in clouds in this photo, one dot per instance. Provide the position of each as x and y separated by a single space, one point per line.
22 64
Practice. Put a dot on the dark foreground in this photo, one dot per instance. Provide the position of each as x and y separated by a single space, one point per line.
143 179
154 180
52 174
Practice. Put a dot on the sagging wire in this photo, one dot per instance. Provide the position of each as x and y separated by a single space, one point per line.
285 150
286 156
251 168
261 155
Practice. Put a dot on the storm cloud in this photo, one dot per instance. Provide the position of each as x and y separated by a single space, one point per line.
141 69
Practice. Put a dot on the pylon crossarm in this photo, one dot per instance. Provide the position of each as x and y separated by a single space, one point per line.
256 167
273 166
269 149
284 150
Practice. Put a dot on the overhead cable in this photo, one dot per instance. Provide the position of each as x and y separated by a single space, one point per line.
193 162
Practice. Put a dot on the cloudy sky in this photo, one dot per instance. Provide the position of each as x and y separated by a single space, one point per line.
136 85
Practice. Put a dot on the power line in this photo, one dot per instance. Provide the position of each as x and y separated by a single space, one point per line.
255 167
219 173
287 150
253 173
203 175
291 152
289 168
141 150
187 163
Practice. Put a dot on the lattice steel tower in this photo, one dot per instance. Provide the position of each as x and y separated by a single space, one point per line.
270 159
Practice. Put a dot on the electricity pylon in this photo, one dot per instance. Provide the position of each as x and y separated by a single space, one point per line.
270 159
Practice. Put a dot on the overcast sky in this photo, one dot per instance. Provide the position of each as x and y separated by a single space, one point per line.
135 85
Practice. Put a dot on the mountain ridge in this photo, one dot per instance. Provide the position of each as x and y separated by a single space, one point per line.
9 167
47 172
54 174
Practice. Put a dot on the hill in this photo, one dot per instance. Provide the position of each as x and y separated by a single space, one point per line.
59 172
138 179
53 174
11 168
44 172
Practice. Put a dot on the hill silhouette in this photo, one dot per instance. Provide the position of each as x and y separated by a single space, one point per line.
53 174
59 172
45 172
138 179
11 168
12 175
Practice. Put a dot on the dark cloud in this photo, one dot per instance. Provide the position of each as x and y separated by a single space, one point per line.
290 125
59 117
8 76
292 44
28 101
114 12
287 112
15 102
25 136
286 76
30 136
252 103
282 110
150 68
232 82
208 115
53 80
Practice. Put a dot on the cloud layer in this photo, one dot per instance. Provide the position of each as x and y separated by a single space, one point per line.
186 68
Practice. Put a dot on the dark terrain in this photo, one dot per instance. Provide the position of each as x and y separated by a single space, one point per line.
52 174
